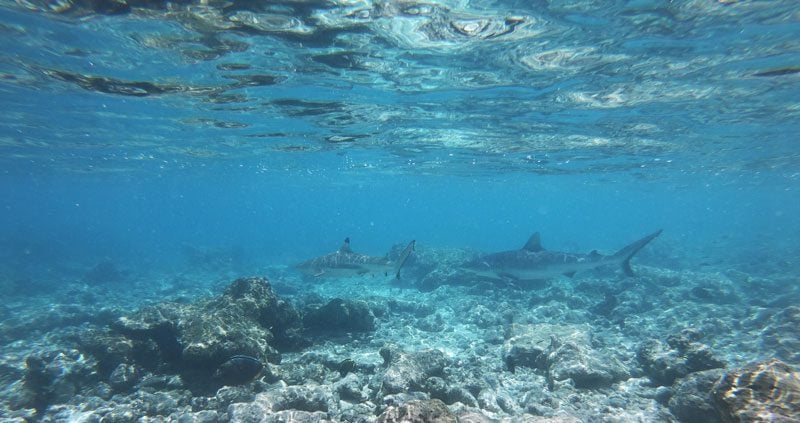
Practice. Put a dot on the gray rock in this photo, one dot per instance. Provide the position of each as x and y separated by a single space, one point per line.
302 397
765 391
357 413
583 365
402 398
458 394
19 397
540 402
247 412
439 389
487 400
124 377
507 403
112 348
160 402
54 377
473 416
664 364
340 315
782 334
156 325
101 390
418 411
417 309
691 401
350 389
123 413
433 323
230 325
408 371
230 394
527 345
482 317
205 416
295 416
248 319
662 395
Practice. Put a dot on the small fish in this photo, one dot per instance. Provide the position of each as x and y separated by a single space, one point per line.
238 370
346 366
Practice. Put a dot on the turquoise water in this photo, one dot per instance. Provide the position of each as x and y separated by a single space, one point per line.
282 128
264 133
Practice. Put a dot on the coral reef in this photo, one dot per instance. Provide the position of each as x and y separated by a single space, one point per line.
248 319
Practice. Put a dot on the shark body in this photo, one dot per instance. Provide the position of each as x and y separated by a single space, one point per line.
344 263
532 262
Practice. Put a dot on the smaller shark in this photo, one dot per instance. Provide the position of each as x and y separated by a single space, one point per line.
532 262
344 263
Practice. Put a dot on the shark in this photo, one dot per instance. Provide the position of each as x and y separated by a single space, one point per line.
532 262
344 263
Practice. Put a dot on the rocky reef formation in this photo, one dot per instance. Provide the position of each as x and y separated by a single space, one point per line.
691 400
340 315
681 356
418 411
782 334
563 352
407 372
767 391
461 352
207 344
53 377
248 320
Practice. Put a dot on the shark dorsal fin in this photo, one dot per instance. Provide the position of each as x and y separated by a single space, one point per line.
345 248
534 243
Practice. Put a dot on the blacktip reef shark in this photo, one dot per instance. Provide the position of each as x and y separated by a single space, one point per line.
344 263
532 262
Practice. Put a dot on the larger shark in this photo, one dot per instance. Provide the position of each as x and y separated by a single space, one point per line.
344 263
532 262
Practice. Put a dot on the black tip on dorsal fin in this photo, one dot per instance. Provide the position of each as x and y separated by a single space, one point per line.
534 243
345 248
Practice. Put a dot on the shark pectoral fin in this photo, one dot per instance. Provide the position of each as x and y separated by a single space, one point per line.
569 274
318 273
508 276
626 267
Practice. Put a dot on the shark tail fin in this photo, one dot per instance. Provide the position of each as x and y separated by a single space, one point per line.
403 257
629 251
